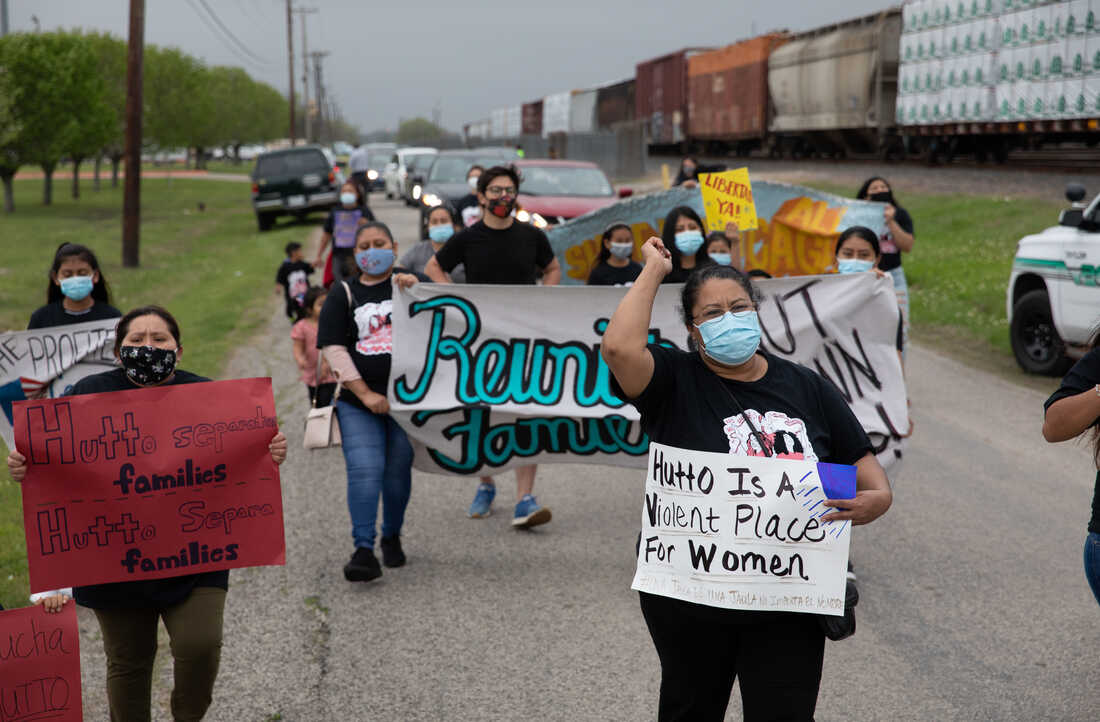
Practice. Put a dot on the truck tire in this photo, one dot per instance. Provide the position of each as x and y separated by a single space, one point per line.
1035 342
265 221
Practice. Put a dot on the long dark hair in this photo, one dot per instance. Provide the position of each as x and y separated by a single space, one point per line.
605 252
123 326
65 251
859 232
861 194
668 236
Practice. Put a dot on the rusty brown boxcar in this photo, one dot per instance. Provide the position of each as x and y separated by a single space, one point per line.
660 96
614 104
532 118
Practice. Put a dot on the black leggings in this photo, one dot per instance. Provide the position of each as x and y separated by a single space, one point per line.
777 662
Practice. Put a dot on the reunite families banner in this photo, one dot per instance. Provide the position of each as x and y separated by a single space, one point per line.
118 490
744 532
486 378
40 665
795 231
46 362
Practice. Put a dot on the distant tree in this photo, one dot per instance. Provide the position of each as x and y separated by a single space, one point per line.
111 54
94 120
418 130
173 97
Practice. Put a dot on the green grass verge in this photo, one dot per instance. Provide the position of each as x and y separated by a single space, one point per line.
213 270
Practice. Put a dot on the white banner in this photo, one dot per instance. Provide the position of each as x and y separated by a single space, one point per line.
744 532
46 362
486 378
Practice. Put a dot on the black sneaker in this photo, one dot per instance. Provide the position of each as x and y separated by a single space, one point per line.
363 566
392 554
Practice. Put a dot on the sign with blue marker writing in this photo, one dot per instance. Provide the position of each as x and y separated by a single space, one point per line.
744 532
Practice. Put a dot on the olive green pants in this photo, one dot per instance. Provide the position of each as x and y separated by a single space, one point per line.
130 643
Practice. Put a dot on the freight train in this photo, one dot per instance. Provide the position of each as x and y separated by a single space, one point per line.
931 78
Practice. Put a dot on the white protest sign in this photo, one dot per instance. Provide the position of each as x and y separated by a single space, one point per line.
744 532
487 378
46 362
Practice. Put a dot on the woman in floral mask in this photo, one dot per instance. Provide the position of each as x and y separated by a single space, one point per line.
147 343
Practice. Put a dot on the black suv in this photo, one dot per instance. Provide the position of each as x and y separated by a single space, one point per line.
294 182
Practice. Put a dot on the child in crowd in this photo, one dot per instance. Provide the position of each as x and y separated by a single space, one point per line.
293 279
304 337
614 266
719 248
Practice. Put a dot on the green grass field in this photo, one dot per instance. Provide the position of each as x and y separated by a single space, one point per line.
213 270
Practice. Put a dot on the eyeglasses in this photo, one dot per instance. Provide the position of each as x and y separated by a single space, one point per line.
497 191
712 313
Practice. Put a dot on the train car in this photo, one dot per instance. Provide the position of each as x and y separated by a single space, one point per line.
582 111
834 88
614 104
661 98
532 117
728 96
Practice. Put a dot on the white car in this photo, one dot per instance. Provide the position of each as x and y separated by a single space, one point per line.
1053 296
396 174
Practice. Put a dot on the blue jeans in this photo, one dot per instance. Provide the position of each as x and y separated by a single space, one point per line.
379 458
1092 563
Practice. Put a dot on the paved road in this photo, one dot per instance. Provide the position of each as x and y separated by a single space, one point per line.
974 604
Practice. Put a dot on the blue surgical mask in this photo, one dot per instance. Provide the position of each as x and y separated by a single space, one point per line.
853 265
722 259
77 288
440 234
348 199
732 338
622 250
688 242
375 261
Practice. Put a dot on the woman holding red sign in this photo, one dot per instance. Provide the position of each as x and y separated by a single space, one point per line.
727 395
147 343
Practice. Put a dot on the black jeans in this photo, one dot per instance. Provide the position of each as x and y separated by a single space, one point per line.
323 392
776 661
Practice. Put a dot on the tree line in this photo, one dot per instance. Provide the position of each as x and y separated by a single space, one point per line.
63 96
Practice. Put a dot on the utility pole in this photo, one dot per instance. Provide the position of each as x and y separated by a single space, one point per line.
319 88
290 64
131 200
3 18
302 12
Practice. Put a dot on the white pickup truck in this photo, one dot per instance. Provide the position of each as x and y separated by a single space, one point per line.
1053 295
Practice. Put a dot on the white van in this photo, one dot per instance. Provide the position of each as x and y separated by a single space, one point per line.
396 174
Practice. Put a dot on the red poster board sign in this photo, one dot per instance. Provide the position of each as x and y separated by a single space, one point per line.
150 483
40 665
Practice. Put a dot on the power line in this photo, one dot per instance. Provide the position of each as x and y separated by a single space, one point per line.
214 31
231 36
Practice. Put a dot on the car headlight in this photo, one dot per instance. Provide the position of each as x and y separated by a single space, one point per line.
538 221
372 174
523 216
431 200
416 192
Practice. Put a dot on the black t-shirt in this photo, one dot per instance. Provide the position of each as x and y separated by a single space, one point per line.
514 255
370 340
680 275
157 593
1084 376
294 278
891 254
342 224
607 275
800 414
54 314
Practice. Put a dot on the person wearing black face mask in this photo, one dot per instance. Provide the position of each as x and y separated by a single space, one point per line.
897 239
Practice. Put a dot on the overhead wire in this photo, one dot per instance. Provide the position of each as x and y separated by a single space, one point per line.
229 33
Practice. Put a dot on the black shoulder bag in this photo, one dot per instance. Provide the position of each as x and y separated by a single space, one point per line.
834 627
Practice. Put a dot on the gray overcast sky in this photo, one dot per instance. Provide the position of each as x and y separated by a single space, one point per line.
395 59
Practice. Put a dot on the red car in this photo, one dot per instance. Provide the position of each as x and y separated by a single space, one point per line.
554 191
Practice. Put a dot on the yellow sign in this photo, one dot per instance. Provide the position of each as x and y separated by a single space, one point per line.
727 197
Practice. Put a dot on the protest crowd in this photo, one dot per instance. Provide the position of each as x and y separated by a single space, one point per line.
719 393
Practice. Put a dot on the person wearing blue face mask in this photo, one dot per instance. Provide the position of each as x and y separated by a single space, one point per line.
725 394
355 335
77 291
614 266
441 226
720 247
339 230
858 251
682 235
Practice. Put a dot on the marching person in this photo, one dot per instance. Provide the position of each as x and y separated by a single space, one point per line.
468 209
682 235
688 175
340 228
77 291
897 239
303 337
499 249
1071 411
292 279
720 246
614 267
441 226
688 399
356 338
148 346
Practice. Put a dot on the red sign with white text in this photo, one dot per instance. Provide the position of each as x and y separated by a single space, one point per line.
150 483
40 665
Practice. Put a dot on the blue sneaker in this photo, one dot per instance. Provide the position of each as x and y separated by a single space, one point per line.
529 513
479 509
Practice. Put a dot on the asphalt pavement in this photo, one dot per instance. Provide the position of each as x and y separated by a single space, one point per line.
973 601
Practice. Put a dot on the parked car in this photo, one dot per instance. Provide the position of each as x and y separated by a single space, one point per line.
293 181
445 181
555 191
1053 296
336 169
397 170
378 155
418 165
